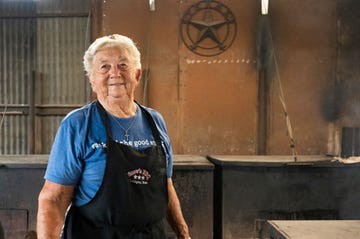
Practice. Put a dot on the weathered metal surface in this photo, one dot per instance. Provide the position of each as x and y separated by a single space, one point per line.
210 104
202 105
14 223
41 72
350 142
250 191
16 43
313 229
61 43
64 6
21 179
193 181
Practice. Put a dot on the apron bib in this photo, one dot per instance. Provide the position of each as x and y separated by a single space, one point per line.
132 199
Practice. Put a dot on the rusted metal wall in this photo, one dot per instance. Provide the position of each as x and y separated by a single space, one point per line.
210 103
201 98
305 44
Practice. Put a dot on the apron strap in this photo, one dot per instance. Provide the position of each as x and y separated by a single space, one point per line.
153 127
103 116
150 119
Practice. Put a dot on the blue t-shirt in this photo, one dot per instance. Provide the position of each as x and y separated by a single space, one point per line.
78 157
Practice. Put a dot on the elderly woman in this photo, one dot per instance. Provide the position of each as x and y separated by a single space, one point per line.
111 159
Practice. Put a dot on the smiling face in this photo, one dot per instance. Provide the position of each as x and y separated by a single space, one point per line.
114 76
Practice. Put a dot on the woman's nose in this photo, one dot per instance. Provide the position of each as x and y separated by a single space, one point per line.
114 70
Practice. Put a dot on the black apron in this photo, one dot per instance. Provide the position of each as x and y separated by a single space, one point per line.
132 199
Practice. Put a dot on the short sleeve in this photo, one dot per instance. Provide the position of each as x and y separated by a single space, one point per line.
65 165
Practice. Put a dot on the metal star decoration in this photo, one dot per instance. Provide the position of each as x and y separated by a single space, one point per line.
208 28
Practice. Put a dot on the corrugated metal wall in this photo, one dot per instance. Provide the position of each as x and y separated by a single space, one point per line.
41 45
16 36
61 43
60 48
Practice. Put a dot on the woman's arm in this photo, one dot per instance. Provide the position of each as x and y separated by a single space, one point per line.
174 214
53 200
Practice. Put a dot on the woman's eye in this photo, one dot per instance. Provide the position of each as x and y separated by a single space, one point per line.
104 68
123 66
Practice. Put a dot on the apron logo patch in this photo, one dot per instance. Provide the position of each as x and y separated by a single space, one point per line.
139 176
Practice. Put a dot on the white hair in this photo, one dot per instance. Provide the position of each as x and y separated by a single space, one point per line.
115 40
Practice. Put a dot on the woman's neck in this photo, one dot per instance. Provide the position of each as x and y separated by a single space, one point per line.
119 108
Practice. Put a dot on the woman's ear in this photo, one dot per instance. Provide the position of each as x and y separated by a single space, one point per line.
138 75
91 81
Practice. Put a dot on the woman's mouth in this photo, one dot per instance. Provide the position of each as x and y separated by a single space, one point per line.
117 84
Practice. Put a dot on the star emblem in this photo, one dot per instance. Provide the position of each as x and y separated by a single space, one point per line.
208 28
